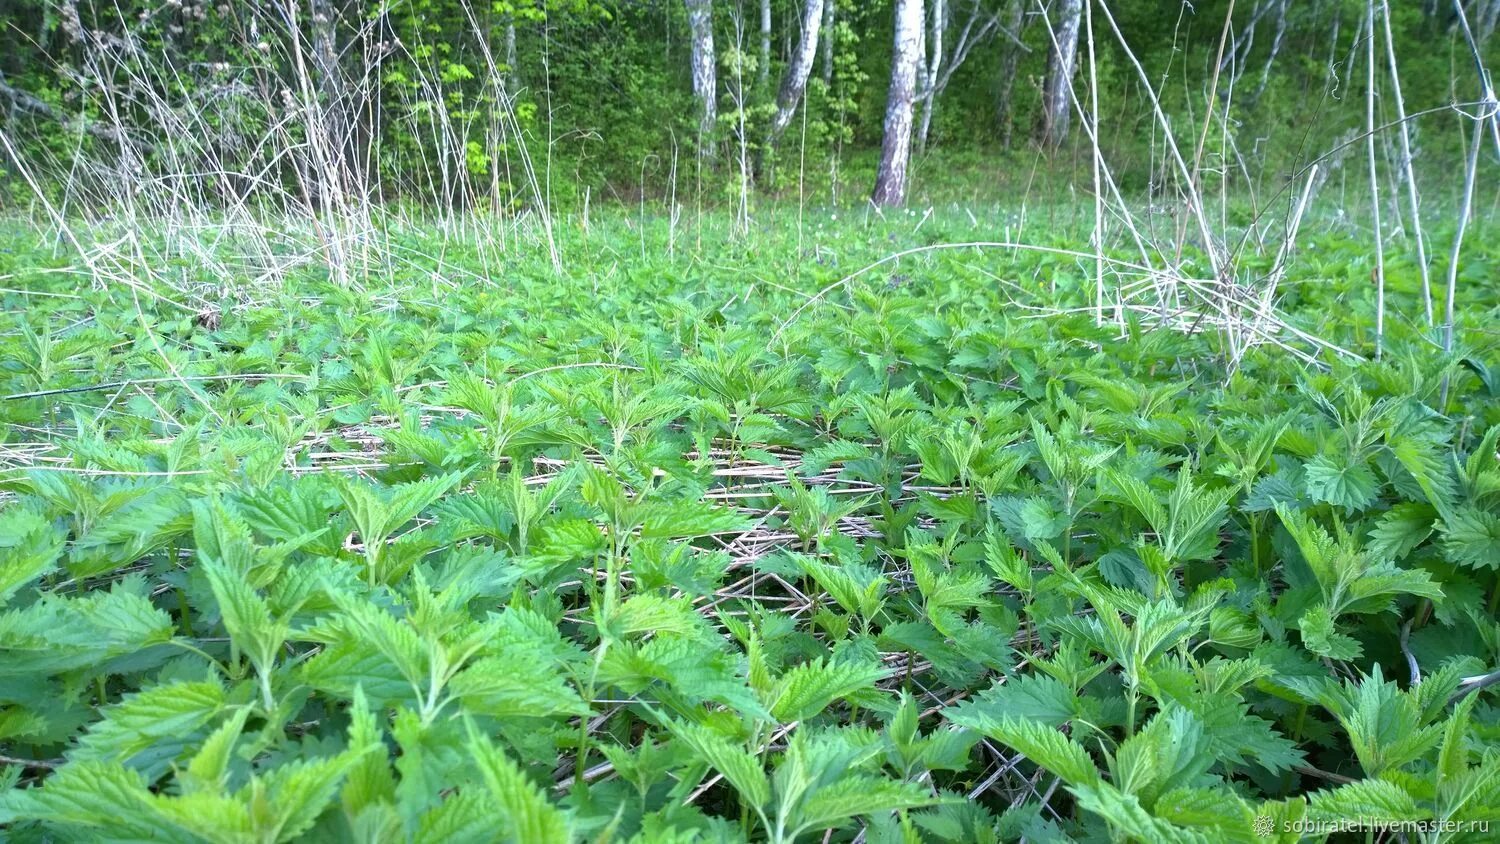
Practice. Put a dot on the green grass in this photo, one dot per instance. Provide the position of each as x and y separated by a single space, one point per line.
703 539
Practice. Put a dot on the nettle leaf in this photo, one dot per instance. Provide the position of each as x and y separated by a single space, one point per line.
516 684
1401 529
572 539
1351 486
809 688
289 510
691 673
1010 567
1322 638
30 547
16 722
1378 586
247 618
167 714
528 815
1471 537
740 768
858 589
1170 751
859 795
685 519
1036 698
378 514
1206 809
207 772
211 817
480 514
1386 726
1424 461
818 460
1138 495
95 798
286 801
1033 517
468 816
1285 487
58 634
1125 813
1046 747
652 614
344 666
1372 801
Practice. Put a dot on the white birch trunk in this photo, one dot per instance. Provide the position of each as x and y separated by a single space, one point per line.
795 82
1374 179
510 48
937 25
895 147
1062 58
705 82
1407 173
763 73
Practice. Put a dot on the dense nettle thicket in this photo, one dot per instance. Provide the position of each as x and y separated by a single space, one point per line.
782 421
482 552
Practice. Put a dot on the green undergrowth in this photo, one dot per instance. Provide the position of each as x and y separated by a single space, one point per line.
662 549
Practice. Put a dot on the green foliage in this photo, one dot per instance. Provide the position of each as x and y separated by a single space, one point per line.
456 102
627 555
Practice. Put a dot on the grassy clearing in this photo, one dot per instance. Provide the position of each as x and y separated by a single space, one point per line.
714 538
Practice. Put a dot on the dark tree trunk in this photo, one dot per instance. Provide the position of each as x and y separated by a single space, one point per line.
325 55
1015 22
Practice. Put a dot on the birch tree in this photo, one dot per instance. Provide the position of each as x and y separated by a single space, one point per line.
794 83
1062 59
705 82
763 72
979 26
938 22
895 146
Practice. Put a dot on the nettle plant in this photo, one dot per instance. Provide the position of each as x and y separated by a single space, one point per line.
516 562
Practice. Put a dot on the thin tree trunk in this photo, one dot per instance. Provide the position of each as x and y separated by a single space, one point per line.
937 24
705 83
511 72
763 73
325 65
1276 40
830 10
1488 18
1015 20
1465 208
1062 58
795 82
1407 173
1374 178
895 147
